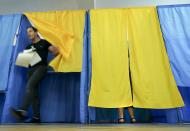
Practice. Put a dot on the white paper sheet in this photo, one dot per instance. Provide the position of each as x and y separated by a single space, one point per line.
27 58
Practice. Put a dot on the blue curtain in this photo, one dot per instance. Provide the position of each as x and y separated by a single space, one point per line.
184 113
17 80
85 75
2 100
91 113
8 28
175 25
60 98
63 97
158 116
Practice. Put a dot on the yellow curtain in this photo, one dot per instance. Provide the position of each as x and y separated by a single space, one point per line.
63 29
153 83
110 85
113 33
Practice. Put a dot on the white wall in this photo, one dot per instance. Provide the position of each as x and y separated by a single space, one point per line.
85 4
18 6
133 3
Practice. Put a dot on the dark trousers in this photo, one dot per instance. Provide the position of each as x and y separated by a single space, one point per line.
35 75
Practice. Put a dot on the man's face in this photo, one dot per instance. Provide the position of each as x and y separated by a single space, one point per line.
31 33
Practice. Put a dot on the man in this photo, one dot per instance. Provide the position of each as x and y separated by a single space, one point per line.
35 74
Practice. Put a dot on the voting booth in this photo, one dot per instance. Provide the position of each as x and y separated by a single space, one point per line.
70 91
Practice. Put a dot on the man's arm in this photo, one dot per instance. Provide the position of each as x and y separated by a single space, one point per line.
54 50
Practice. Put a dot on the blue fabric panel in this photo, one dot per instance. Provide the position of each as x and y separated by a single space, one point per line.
8 28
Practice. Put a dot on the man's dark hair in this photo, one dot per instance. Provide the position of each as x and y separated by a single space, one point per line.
34 29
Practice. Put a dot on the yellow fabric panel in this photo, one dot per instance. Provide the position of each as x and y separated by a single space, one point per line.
110 85
153 83
63 29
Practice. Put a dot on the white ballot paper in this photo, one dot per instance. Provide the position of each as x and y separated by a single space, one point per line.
27 57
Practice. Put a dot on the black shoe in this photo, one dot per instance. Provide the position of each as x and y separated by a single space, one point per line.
18 114
33 120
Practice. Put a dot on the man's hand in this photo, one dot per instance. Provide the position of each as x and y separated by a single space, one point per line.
54 50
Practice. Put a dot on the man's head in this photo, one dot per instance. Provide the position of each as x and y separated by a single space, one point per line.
32 33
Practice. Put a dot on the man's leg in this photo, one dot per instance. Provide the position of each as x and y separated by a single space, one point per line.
31 92
36 106
32 88
36 109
